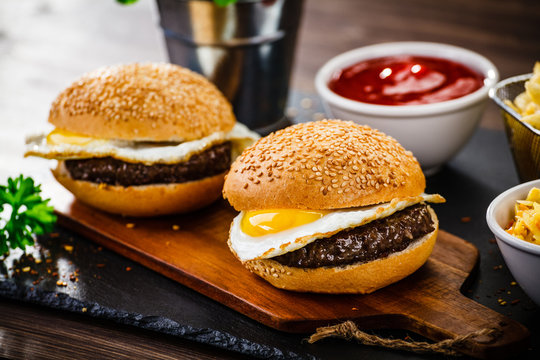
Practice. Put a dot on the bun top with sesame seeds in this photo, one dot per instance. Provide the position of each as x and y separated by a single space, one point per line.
147 102
328 164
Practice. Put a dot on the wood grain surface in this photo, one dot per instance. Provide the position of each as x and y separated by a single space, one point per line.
192 249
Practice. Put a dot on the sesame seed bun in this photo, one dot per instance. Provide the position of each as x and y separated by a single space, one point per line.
329 164
145 200
360 278
154 102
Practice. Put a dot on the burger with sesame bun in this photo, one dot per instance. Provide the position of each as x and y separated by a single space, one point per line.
142 139
330 207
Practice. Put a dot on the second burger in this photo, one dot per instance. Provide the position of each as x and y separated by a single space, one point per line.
330 207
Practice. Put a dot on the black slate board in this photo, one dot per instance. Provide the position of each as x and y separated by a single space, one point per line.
143 298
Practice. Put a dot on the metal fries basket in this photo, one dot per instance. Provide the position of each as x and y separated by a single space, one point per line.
523 139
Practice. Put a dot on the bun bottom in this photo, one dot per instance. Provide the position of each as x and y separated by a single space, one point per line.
361 278
145 200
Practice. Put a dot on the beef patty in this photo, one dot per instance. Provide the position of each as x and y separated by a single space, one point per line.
212 161
374 240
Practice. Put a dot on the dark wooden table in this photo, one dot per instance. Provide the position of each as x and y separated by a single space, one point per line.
45 44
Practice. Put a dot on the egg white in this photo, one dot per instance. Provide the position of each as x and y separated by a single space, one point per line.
267 246
140 151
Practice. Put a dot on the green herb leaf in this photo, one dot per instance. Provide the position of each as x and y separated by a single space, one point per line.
126 2
224 2
30 214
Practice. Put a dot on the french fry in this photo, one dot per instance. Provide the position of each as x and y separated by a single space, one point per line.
527 104
526 223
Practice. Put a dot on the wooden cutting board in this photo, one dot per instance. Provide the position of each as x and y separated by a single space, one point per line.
428 302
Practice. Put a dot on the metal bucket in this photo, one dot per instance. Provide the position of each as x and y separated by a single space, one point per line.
246 49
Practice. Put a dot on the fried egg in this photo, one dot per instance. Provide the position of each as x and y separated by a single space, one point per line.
62 145
263 234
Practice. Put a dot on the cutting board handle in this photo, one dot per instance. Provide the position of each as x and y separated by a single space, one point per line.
453 315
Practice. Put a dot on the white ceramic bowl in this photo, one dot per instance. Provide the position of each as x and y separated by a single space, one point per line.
433 132
521 257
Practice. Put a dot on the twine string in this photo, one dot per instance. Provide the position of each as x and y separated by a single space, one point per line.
349 330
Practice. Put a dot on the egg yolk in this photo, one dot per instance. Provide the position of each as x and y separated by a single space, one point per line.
263 222
59 136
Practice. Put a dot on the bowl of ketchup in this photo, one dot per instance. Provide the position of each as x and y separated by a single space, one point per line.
429 96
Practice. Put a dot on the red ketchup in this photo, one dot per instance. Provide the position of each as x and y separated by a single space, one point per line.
405 80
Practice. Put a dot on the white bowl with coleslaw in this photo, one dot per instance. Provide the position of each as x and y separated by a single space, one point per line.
521 257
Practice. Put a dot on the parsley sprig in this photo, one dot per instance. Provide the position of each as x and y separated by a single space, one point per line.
30 214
